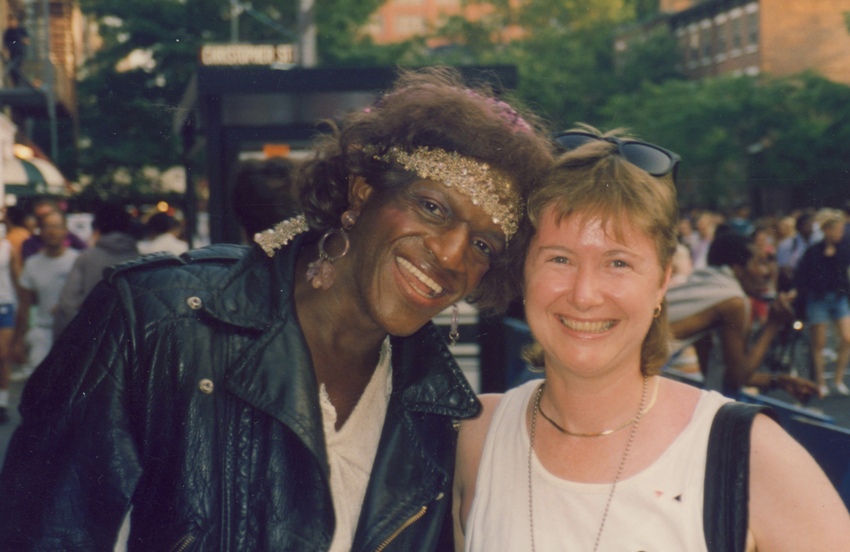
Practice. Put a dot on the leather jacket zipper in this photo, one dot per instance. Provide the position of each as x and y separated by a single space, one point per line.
183 543
416 517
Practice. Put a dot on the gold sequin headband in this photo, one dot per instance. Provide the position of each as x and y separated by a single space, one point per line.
476 180
281 234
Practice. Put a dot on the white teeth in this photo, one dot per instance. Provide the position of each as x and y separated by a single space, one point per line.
588 327
421 276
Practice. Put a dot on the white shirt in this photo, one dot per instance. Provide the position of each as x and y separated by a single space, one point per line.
658 509
45 277
352 449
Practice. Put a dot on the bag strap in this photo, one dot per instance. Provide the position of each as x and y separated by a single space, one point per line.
727 477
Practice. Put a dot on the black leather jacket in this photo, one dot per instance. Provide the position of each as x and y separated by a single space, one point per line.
184 389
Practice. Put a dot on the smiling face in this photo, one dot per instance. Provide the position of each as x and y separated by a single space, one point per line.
754 276
589 296
415 250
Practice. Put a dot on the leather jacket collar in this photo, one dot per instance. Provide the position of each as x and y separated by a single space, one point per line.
256 294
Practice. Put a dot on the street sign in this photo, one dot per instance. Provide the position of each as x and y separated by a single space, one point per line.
247 54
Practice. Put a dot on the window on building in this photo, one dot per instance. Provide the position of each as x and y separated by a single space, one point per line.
721 39
409 25
736 33
753 28
706 43
694 47
375 26
683 47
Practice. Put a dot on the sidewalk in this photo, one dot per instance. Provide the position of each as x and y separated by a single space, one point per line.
835 405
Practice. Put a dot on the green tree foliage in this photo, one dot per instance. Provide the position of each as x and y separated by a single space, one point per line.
742 136
652 60
644 9
340 40
736 135
565 57
126 111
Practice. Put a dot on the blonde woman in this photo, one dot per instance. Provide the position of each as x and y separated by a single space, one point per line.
603 454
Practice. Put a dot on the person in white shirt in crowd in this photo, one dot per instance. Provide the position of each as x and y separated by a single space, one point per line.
799 235
706 225
113 244
164 235
41 283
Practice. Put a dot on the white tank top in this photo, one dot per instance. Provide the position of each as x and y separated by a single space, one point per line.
656 510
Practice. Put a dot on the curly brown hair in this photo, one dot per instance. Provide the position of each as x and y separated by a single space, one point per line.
433 108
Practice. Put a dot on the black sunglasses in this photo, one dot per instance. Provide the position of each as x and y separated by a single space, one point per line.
655 160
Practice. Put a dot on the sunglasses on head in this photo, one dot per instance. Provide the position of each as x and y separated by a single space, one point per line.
655 160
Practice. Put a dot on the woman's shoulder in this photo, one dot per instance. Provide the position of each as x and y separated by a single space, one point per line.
474 430
793 506
490 403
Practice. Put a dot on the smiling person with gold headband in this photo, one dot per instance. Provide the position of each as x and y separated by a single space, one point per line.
293 395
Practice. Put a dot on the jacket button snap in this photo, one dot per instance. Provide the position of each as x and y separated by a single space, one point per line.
194 302
206 386
440 496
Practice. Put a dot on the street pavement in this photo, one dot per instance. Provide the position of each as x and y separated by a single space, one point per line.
835 405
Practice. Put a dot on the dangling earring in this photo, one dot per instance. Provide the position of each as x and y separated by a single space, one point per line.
321 273
657 312
454 335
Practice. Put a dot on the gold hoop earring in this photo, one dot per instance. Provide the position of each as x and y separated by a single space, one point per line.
657 312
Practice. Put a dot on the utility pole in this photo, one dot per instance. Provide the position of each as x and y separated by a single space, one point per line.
306 33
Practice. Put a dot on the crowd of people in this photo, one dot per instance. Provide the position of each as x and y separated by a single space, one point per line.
741 284
46 271
295 395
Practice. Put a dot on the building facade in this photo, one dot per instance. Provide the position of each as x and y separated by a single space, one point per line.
750 37
398 20
45 90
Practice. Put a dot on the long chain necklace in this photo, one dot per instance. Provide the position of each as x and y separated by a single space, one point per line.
607 431
636 422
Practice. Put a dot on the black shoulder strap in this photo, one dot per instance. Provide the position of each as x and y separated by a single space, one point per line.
727 489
